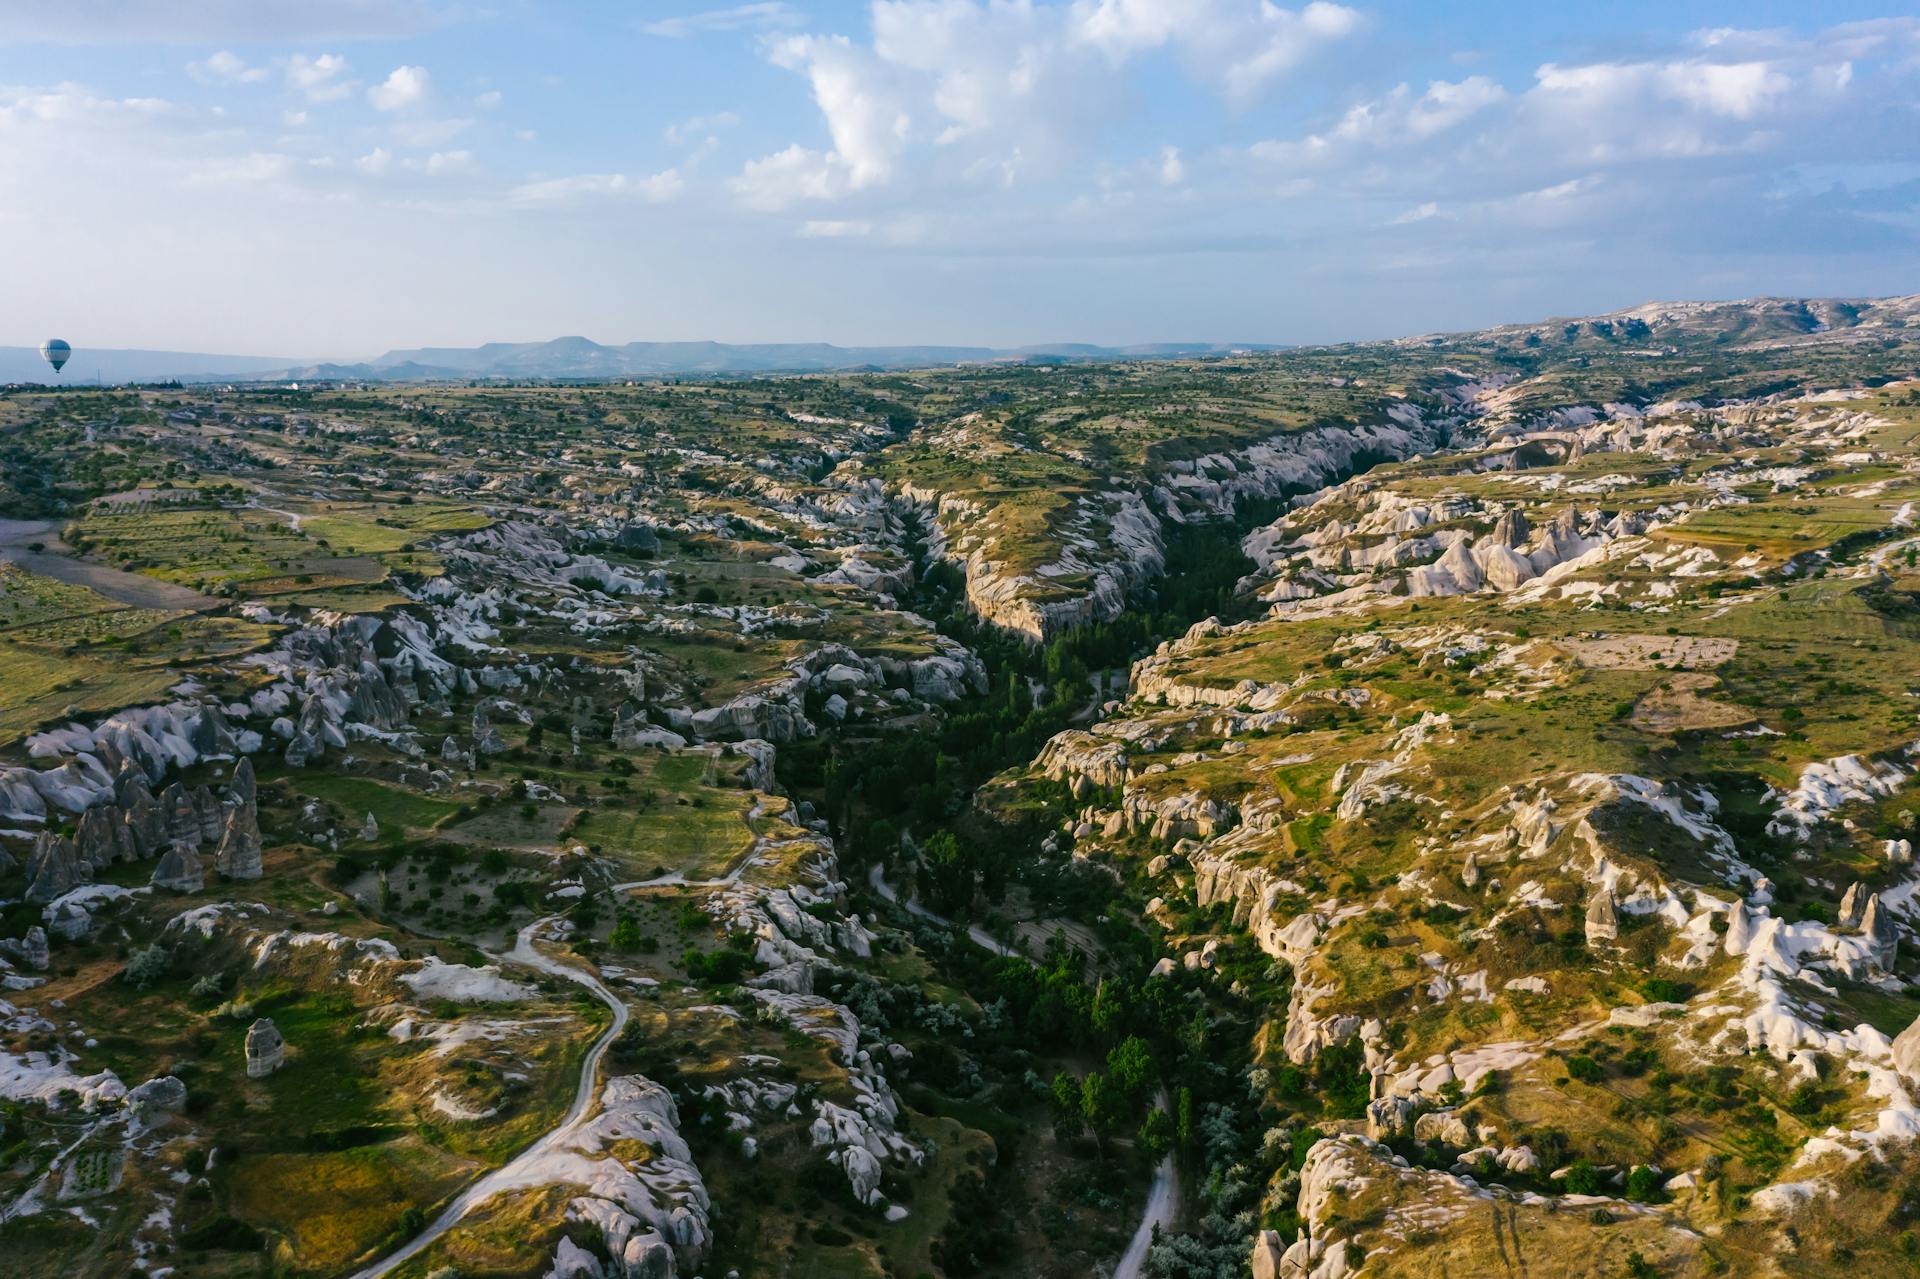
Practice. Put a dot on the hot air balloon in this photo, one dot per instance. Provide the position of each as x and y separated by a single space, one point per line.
56 352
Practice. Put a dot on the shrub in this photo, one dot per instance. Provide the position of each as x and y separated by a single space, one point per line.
1582 1178
1643 1184
147 966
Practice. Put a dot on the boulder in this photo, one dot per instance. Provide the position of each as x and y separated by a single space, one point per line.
1906 1051
180 870
165 1093
1603 922
638 538
863 1173
53 870
1267 1255
1853 906
266 1050
101 838
212 814
30 950
1445 1127
69 920
179 816
1878 928
1739 928
238 856
243 789
486 738
145 820
648 1256
310 733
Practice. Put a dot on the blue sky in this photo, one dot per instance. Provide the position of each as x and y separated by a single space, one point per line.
338 177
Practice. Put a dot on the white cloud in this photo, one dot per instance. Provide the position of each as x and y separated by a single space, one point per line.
1398 119
321 79
956 90
1238 46
245 170
407 86
836 229
789 176
743 17
225 68
682 132
443 164
202 22
429 133
489 100
1005 92
1736 91
1173 170
380 163
586 188
1419 213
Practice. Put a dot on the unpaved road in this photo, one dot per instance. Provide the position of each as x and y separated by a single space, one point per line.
17 537
506 1176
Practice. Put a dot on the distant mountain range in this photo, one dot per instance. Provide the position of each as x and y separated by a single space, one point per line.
23 364
573 358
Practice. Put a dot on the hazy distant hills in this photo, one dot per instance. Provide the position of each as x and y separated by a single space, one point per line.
1749 323
572 358
578 357
23 364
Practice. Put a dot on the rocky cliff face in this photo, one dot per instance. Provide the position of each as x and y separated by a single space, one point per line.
1111 543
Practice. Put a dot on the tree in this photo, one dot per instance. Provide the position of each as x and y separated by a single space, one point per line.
1156 1134
1068 1121
1108 1006
1101 1103
1130 1066
946 874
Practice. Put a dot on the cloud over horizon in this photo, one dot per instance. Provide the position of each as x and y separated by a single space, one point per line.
980 170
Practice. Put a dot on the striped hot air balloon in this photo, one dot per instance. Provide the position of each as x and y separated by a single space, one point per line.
56 352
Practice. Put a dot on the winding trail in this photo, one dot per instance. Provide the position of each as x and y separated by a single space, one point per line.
506 1176
877 877
1163 1205
1163 1196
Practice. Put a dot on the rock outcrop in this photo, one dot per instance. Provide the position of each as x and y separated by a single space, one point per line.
238 856
266 1050
179 870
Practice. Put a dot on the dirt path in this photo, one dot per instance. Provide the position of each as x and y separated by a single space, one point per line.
981 937
17 537
527 955
1163 1205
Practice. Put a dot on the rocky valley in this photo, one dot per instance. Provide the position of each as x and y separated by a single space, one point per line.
1440 806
